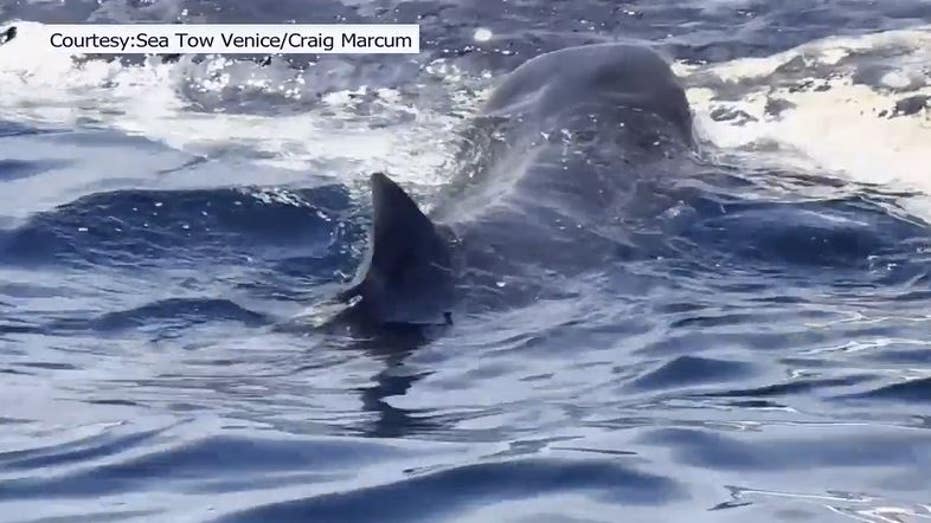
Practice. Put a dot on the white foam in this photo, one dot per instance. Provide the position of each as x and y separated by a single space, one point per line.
350 133
845 125
482 34
154 101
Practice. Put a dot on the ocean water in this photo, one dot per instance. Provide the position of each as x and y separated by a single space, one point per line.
765 356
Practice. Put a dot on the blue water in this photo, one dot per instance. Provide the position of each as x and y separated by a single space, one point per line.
759 350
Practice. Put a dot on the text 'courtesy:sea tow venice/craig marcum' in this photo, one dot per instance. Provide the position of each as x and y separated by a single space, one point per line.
117 39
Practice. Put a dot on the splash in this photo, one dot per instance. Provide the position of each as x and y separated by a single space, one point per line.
216 108
856 107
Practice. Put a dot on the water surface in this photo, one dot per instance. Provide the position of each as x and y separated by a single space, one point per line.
760 354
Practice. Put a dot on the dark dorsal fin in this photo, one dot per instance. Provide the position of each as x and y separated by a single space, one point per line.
406 275
399 228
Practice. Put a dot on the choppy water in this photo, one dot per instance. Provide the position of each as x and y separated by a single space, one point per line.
767 357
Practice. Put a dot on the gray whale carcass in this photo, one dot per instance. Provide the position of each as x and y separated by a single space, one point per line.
549 174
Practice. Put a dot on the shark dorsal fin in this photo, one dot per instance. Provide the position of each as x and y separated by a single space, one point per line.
406 275
400 230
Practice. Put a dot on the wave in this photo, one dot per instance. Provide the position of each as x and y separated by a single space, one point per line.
145 228
850 232
915 390
270 113
454 490
170 314
856 107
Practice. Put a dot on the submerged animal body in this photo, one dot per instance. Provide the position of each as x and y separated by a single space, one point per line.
568 138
